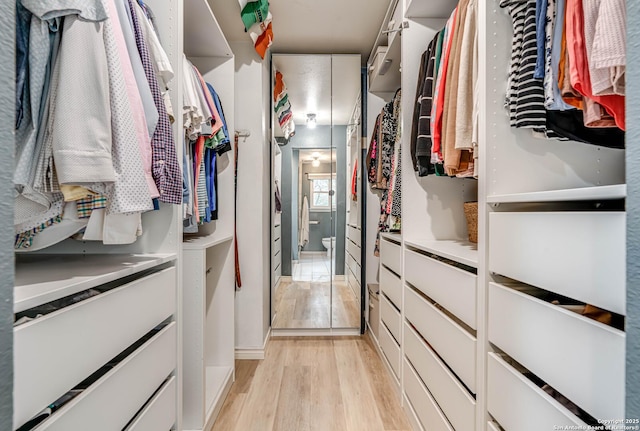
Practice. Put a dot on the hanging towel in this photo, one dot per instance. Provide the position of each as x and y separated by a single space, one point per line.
303 237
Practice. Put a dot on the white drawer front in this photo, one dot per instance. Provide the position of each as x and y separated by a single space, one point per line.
276 262
391 255
391 285
391 318
390 349
454 400
519 405
453 288
276 247
570 352
355 287
354 267
354 235
577 254
455 345
429 414
62 348
160 413
113 400
354 251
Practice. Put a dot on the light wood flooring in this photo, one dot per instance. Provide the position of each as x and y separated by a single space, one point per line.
308 304
313 384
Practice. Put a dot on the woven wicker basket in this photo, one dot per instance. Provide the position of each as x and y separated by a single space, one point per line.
471 213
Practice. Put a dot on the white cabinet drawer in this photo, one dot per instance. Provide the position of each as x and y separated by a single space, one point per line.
391 285
581 358
354 267
391 317
354 251
276 262
278 273
112 401
454 400
354 235
390 349
426 408
519 405
577 254
59 350
160 412
276 247
277 232
391 255
453 288
455 345
355 287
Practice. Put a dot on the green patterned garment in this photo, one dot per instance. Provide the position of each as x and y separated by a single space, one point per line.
254 12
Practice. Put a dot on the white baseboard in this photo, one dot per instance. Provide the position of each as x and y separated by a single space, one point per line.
284 278
339 278
256 353
326 332
313 253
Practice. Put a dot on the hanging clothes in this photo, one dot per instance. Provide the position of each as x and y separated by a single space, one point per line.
277 198
354 182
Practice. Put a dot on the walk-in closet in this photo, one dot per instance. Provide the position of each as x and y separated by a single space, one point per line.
390 215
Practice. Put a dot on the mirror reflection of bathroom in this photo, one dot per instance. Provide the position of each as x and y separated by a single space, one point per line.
311 171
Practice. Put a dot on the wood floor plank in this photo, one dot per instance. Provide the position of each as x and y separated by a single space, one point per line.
327 406
313 384
294 403
262 400
361 410
230 412
245 371
387 400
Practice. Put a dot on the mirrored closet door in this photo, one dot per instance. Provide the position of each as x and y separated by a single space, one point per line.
316 104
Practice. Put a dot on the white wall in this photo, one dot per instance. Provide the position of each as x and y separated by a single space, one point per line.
633 213
7 112
253 206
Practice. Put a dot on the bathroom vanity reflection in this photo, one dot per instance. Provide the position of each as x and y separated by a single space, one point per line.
313 174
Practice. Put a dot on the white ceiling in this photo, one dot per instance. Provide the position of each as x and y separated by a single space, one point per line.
307 156
312 26
315 27
311 81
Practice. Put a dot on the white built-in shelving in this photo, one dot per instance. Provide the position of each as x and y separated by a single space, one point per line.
551 222
209 266
44 278
460 251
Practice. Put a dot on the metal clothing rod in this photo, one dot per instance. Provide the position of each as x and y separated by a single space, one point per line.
314 222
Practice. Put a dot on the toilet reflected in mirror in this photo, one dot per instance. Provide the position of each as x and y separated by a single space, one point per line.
310 290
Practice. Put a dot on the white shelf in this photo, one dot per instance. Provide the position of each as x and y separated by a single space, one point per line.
430 9
395 237
618 191
44 278
391 80
203 36
463 252
204 242
216 380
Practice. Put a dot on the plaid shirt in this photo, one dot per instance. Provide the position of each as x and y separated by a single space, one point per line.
165 167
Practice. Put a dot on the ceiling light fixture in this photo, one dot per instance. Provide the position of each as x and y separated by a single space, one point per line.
311 121
315 163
